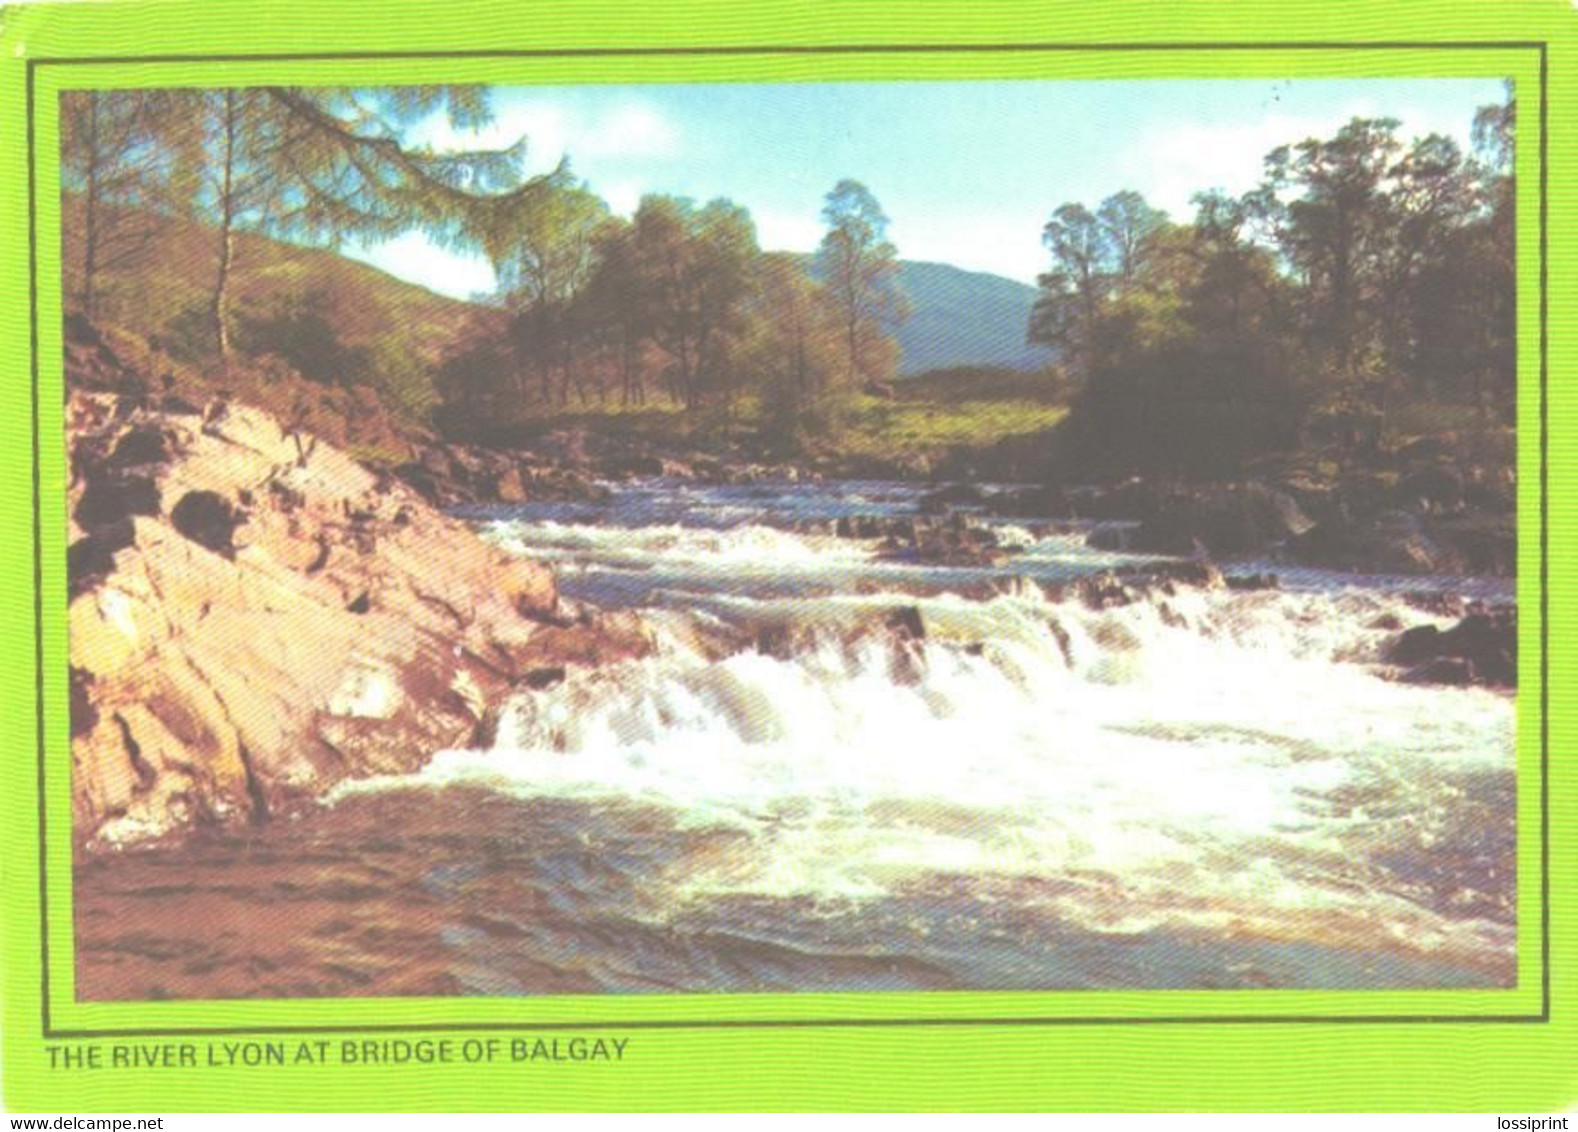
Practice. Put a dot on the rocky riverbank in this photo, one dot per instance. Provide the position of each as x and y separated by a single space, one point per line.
1420 510
255 616
571 465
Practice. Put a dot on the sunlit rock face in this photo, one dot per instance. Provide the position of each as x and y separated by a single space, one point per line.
255 617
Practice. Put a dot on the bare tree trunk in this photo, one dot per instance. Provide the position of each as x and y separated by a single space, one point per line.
853 380
220 308
635 392
90 238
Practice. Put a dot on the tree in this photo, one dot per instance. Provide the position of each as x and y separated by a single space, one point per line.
860 270
1097 258
1127 225
240 185
619 309
1369 225
693 269
1072 292
327 165
1464 296
797 352
1493 132
1239 293
1328 202
1430 196
110 155
543 248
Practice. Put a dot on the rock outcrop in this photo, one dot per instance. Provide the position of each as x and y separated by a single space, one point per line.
1482 648
1227 521
452 475
255 616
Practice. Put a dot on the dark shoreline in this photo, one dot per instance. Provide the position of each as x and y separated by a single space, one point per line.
1411 513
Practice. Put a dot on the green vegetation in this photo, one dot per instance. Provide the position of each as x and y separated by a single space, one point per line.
162 295
1360 295
927 419
1363 275
918 431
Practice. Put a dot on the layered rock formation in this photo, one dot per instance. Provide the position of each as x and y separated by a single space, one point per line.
255 616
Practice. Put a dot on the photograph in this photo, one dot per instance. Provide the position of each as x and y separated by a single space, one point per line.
759 537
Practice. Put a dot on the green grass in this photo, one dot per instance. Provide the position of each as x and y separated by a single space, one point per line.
983 383
378 455
407 328
917 427
920 430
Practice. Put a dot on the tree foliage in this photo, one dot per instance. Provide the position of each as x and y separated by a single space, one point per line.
111 156
1362 268
860 269
1097 258
798 352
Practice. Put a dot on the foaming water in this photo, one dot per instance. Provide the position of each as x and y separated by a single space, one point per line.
1200 765
843 772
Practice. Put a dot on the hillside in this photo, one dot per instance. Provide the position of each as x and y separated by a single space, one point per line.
391 334
401 328
966 318
962 319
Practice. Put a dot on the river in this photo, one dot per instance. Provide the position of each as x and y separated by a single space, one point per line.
840 771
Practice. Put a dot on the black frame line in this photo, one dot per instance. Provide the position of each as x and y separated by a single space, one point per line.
49 1032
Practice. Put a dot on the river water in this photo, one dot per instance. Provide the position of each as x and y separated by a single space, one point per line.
798 790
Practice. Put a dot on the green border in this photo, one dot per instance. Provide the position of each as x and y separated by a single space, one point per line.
1324 1049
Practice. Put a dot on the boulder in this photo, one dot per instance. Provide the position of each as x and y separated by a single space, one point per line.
954 495
1253 582
508 488
1450 671
1434 488
208 519
227 671
1391 542
1227 521
1414 645
91 559
140 447
1046 502
113 499
1482 648
1134 499
907 623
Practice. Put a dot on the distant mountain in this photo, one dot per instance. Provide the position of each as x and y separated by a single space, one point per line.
966 318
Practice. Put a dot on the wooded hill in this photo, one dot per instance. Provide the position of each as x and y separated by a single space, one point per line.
397 333
1366 276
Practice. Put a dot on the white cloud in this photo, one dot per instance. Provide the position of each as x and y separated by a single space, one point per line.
630 130
786 231
1001 245
416 258
1170 165
623 197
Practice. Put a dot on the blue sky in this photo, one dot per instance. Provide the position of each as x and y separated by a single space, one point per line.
967 171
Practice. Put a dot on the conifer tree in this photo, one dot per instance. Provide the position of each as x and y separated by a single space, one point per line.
328 165
111 158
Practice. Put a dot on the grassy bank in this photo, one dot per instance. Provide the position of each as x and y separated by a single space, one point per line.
924 421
